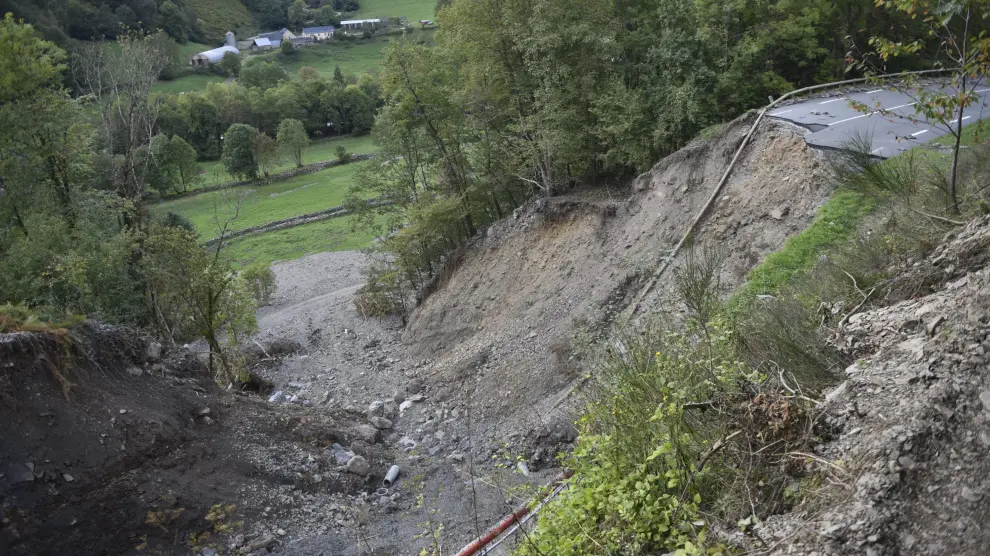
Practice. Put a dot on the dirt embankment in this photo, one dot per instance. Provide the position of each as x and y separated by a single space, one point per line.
500 330
140 449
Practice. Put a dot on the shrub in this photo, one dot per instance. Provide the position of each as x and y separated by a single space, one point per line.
342 155
384 292
20 318
640 456
261 281
176 220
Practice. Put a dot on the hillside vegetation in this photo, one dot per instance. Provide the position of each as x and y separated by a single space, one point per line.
216 17
413 10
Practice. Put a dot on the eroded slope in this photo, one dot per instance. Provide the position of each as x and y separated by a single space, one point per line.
499 331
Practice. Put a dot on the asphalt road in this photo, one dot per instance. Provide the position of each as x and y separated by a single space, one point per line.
834 122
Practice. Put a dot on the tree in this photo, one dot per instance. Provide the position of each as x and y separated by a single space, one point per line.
338 76
230 64
327 15
42 134
120 78
266 152
287 48
297 14
177 161
263 75
963 50
196 294
292 139
27 63
203 123
174 21
239 151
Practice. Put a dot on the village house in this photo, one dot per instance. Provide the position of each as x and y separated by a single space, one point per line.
265 41
323 33
360 24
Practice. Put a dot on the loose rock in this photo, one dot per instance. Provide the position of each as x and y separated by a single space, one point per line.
359 466
415 386
381 423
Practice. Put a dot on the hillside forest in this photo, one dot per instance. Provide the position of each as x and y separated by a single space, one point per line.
520 98
515 99
203 21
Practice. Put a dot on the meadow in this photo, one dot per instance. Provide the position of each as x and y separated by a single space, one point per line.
413 10
318 151
334 234
261 205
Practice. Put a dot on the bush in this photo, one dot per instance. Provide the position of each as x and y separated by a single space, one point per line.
176 220
680 429
641 448
19 318
384 292
342 155
261 281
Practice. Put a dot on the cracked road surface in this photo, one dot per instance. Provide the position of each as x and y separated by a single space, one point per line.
834 121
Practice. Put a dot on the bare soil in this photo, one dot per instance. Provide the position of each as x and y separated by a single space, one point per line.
503 330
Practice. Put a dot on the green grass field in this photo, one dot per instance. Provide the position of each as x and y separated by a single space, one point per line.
413 10
318 151
278 201
292 243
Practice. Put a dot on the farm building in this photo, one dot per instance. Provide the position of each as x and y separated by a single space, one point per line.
360 24
265 41
212 56
322 33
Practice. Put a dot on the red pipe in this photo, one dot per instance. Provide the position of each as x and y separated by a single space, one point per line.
510 519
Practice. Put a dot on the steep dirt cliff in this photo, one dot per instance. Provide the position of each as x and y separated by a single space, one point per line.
500 330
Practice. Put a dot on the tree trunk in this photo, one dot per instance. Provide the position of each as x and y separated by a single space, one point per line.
964 62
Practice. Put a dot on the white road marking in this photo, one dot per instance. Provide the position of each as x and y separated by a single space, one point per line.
871 92
833 100
780 113
877 150
901 106
922 132
982 91
966 118
851 119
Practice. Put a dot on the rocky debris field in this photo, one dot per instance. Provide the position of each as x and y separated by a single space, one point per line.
320 355
909 465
